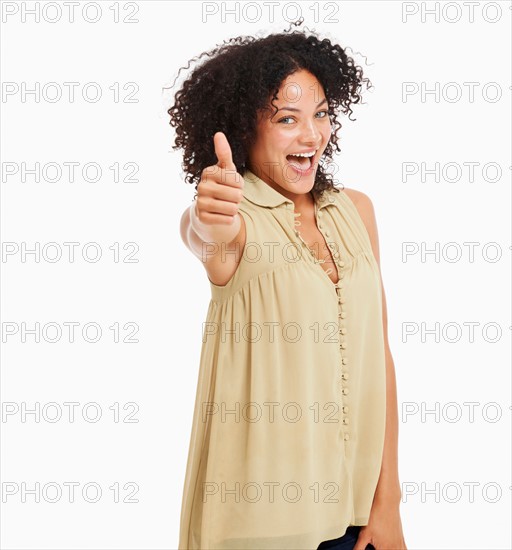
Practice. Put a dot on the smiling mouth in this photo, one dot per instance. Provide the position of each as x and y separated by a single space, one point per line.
302 163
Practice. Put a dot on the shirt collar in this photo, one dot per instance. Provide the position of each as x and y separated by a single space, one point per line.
260 192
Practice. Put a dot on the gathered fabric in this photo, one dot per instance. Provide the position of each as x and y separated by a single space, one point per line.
289 420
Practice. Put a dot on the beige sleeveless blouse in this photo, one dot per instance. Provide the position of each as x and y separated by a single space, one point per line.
289 420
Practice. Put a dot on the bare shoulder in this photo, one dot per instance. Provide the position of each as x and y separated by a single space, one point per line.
359 198
361 201
364 206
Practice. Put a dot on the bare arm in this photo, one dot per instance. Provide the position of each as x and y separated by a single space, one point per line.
198 236
384 529
388 487
211 244
211 227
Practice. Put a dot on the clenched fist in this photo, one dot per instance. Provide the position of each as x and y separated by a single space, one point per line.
219 191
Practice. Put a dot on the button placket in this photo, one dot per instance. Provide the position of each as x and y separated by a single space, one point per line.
342 315
345 391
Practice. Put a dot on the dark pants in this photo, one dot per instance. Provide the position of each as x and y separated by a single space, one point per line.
346 542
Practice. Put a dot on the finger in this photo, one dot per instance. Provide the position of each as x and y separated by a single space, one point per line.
211 205
230 177
362 543
223 151
209 218
228 193
215 180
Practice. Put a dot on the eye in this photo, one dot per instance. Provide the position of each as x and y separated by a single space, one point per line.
291 118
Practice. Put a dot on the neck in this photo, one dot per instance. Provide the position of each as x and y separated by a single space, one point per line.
303 202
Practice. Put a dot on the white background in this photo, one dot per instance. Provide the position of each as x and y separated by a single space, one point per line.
166 293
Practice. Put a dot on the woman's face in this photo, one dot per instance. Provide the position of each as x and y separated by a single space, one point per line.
301 125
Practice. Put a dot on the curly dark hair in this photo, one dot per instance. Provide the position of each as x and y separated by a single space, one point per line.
226 92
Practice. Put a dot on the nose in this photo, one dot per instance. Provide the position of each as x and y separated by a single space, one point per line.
310 135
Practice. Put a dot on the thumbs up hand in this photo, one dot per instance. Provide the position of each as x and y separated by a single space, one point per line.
219 191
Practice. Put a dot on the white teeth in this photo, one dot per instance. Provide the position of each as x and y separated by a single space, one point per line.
308 155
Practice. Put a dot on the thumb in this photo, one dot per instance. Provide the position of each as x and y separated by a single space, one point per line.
223 151
362 542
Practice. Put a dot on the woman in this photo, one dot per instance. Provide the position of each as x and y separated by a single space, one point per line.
295 432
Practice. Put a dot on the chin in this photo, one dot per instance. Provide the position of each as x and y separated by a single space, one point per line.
304 185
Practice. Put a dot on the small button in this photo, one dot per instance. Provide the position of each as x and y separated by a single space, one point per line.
345 376
345 421
319 226
343 345
319 213
343 315
346 437
344 391
343 331
327 233
344 360
345 409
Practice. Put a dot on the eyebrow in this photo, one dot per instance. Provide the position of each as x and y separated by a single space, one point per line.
298 110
